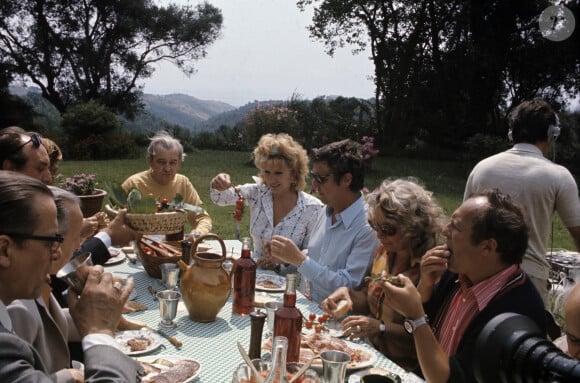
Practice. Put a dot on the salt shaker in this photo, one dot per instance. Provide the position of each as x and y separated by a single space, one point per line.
257 325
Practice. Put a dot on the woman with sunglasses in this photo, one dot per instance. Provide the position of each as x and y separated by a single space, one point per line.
278 206
407 221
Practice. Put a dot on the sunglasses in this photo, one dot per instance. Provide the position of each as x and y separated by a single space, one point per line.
320 178
56 240
387 230
36 140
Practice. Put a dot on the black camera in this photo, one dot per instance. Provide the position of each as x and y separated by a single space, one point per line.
511 348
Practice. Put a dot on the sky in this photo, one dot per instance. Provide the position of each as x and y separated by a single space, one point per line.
265 53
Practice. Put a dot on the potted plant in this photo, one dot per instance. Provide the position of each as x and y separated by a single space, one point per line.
84 186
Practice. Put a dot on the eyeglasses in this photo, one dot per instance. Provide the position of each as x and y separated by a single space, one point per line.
320 178
56 239
36 140
387 230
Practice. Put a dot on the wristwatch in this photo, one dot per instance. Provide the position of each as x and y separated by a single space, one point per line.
382 327
412 325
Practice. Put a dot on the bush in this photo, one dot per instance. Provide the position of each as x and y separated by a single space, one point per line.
480 146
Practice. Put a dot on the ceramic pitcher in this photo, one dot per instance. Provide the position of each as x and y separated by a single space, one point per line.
205 285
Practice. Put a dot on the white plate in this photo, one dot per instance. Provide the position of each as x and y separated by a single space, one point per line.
171 358
371 360
334 329
276 279
355 377
117 256
123 336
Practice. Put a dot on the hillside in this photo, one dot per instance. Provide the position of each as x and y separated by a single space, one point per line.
160 110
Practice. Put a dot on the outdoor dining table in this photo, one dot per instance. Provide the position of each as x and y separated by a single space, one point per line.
214 344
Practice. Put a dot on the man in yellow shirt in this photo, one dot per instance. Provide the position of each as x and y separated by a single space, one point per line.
165 155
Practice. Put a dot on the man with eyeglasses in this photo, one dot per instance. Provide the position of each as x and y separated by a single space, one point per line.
24 153
29 242
342 244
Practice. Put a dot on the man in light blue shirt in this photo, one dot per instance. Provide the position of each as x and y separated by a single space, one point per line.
341 247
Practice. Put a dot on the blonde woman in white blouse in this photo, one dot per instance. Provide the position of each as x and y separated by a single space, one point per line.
278 206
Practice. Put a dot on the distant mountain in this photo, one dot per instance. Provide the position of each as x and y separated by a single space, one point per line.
184 110
160 110
232 117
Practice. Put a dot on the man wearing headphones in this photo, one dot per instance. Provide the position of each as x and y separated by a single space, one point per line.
534 181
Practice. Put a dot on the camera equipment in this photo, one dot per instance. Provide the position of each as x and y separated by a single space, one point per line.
511 348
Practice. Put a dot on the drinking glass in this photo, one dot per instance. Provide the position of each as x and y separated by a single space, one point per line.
170 275
334 365
168 301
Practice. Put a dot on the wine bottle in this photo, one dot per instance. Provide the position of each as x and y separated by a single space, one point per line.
288 320
277 372
244 281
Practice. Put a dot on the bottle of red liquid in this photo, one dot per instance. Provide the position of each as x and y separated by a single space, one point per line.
245 280
288 320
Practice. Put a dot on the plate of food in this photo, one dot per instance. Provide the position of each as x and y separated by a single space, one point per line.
117 256
313 344
138 342
168 368
270 282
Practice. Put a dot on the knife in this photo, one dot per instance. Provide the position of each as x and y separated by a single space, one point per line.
170 338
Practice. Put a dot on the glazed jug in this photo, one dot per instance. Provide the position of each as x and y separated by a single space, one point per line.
205 285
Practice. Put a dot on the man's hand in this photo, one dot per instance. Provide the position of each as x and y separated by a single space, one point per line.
221 182
120 233
433 265
406 300
98 309
284 250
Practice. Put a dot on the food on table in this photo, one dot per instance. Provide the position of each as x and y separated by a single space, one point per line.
313 344
341 309
166 371
136 306
138 344
268 284
265 264
317 322
128 249
392 279
126 324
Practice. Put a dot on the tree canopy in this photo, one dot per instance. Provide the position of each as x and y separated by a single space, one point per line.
78 51
447 69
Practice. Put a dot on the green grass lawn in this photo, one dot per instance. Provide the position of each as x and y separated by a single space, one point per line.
446 179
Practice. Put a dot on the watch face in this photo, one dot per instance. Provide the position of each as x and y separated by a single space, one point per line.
408 326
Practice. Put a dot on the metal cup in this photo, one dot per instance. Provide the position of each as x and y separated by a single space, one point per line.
168 301
334 365
169 275
271 308
76 272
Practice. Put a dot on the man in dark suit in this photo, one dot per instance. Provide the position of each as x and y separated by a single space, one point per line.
29 242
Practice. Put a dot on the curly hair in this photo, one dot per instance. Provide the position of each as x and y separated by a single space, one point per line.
281 147
419 217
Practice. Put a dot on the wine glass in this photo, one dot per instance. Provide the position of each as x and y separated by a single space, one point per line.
168 301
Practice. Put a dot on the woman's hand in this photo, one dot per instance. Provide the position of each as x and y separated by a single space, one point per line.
331 303
221 182
359 326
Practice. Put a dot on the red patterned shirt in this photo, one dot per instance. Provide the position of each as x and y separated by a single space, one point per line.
468 301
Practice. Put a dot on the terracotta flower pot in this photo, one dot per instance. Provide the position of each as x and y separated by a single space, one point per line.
91 204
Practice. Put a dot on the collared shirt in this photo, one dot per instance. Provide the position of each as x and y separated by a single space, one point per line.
5 320
297 225
468 301
339 254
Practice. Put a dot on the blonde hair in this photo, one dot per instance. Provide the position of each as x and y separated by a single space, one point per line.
418 216
273 148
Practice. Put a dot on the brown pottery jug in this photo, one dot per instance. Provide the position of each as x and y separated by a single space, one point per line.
205 285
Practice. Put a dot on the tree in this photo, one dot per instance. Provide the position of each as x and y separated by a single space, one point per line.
447 69
78 51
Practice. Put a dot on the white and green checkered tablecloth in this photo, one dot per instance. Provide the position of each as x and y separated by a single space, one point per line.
213 344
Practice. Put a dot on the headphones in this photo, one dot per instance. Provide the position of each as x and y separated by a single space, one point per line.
552 134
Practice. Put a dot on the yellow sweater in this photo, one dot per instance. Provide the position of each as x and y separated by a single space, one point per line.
143 182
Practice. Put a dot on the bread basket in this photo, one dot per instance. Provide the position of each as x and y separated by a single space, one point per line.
158 254
155 223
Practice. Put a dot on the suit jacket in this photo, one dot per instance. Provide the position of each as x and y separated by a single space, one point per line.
99 252
48 330
21 363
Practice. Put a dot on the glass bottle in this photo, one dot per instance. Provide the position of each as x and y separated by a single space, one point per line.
244 281
288 320
278 367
